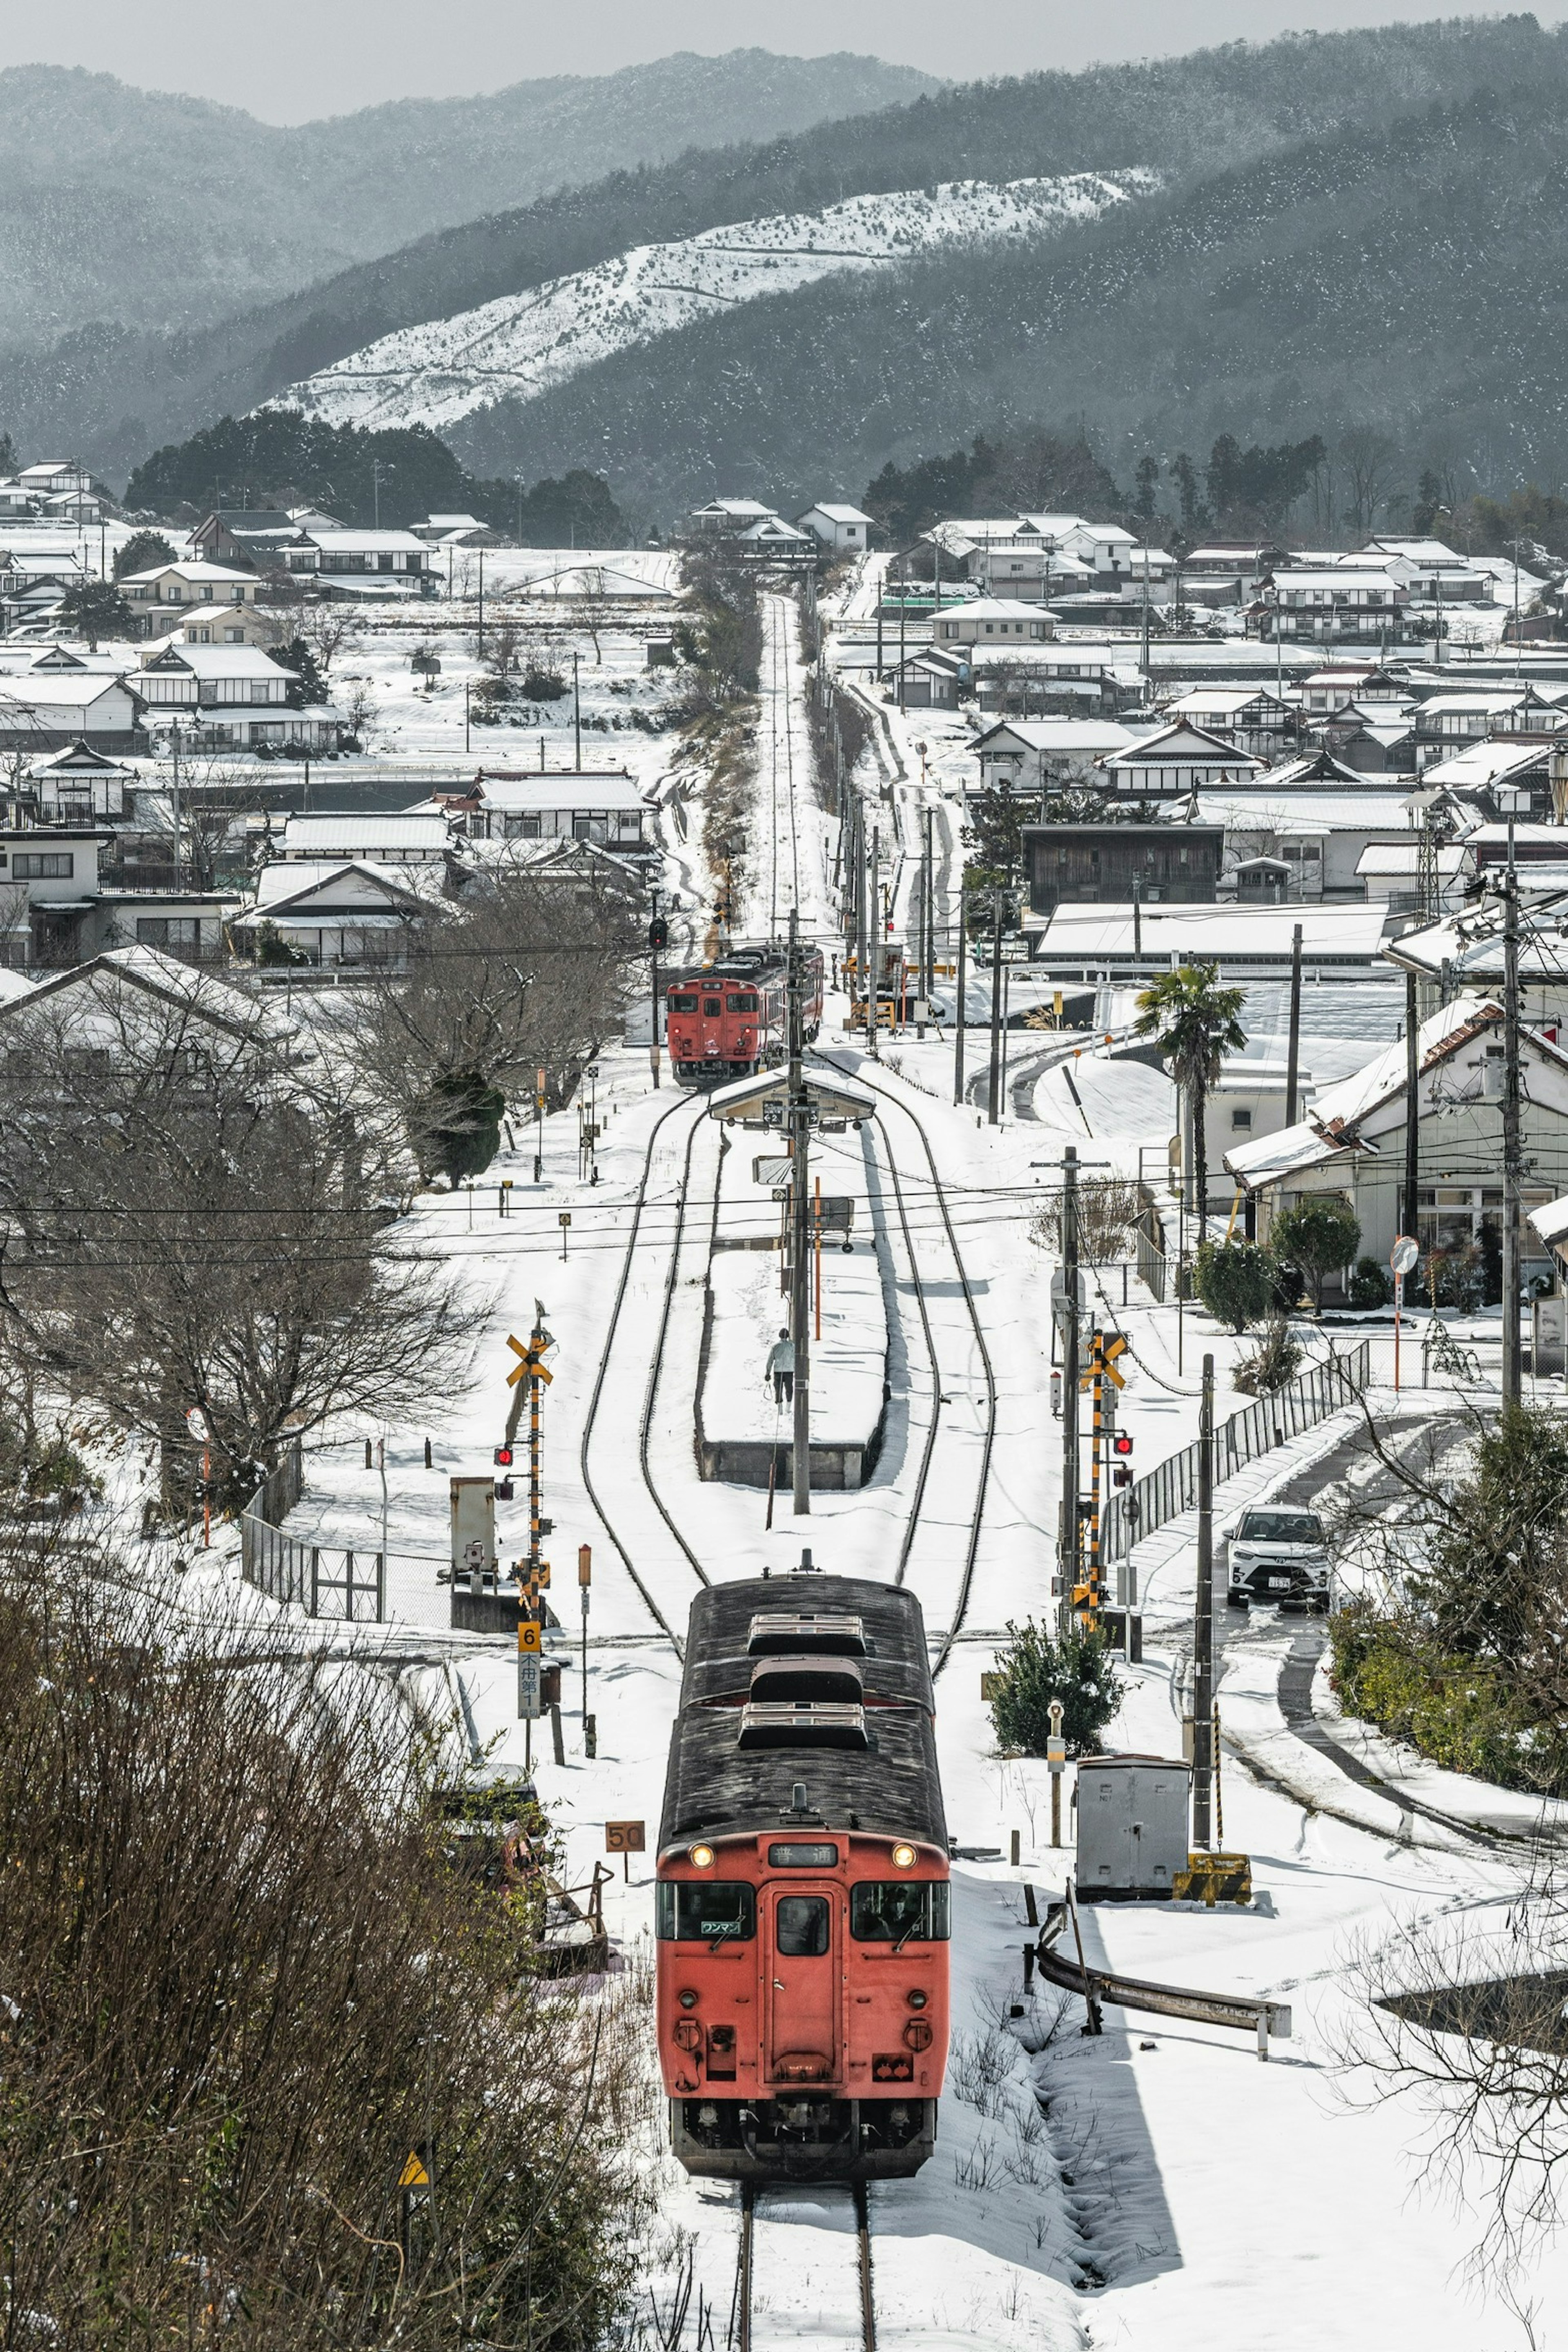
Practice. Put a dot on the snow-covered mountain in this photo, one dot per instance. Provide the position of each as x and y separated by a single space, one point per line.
524 343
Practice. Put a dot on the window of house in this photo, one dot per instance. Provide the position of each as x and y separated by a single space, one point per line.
532 826
43 865
1241 1118
180 934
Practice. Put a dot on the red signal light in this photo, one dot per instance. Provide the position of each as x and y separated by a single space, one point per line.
503 1457
1122 1442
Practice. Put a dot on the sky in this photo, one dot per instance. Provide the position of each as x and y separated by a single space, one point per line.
296 60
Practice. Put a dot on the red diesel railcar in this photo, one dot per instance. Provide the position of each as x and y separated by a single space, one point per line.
731 1017
802 1917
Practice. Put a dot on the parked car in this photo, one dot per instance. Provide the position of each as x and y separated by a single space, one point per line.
1278 1555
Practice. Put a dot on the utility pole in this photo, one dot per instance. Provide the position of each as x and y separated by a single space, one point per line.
1293 1065
1513 1169
175 797
862 928
1067 1543
576 717
1203 1626
996 1095
480 648
959 987
658 934
800 1225
874 974
1411 1221
928 926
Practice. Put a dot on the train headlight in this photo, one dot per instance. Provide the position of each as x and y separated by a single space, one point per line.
917 2000
903 1857
701 1857
689 1999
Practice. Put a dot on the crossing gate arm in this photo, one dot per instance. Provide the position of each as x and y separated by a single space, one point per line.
1236 2010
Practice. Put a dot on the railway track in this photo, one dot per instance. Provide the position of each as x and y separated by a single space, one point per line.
620 1360
781 781
935 1428
813 2296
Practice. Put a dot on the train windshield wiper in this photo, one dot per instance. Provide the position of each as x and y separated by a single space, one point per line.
724 1932
907 1932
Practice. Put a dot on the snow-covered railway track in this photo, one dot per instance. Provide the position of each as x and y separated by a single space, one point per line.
626 1385
954 1338
814 2279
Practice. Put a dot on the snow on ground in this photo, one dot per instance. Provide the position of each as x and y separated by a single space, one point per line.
1162 2190
519 346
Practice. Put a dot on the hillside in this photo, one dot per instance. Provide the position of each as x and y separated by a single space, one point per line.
1411 280
118 392
515 348
158 211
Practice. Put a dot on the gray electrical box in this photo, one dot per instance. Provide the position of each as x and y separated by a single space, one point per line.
1132 1818
473 1531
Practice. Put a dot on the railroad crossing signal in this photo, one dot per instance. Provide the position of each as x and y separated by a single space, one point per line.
1122 1442
533 1365
1104 1349
503 1457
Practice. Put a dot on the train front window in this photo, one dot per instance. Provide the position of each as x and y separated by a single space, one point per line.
683 1001
745 1002
710 1912
895 1910
711 1007
800 1926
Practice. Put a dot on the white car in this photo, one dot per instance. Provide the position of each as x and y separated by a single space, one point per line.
1279 1555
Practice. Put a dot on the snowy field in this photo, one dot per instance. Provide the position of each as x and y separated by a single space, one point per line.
1152 2190
523 344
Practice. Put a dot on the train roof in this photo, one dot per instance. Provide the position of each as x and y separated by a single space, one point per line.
751 1729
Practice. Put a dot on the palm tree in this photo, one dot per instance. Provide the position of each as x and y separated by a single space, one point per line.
1197 1023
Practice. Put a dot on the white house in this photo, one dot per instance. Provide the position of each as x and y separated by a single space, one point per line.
992 620
165 589
1177 758
45 710
1251 717
1315 839
1344 602
79 785
1033 755
606 807
232 696
331 912
1352 1142
843 529
361 562
408 837
726 517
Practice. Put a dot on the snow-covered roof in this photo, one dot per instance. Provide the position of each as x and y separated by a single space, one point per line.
1099 933
1183 743
55 687
339 541
194 569
511 795
220 661
322 836
1551 1221
1305 812
1414 551
1064 735
1403 857
835 513
992 608
287 886
1480 764
1224 700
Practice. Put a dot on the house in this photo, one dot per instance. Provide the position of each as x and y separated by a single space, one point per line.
361 562
455 531
1445 721
844 529
1436 574
772 540
228 625
1092 943
1250 717
992 620
1032 573
54 478
1039 755
232 698
243 536
1156 865
1499 777
1393 872
1342 603
79 786
162 594
54 911
1352 1142
608 806
726 517
45 710
933 677
140 994
1175 760
1314 838
1224 574
409 837
335 912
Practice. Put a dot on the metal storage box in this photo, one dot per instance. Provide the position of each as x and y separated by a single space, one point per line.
1133 1817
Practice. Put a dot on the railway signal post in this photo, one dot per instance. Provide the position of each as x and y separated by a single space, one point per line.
532 1369
1069 1543
1203 1626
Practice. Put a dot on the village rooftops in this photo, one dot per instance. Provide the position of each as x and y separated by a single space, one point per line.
1090 938
411 836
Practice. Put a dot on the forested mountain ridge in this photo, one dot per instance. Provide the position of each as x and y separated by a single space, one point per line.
119 392
153 210
1412 280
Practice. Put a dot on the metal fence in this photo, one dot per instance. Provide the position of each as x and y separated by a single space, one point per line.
1172 1486
322 1580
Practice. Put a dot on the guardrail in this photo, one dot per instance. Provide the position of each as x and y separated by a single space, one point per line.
1240 2011
326 1581
1172 1486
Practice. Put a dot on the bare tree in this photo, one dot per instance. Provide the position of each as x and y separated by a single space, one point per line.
190 1227
327 628
530 973
246 1974
1369 459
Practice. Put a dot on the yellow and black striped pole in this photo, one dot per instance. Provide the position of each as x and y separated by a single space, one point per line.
1097 1357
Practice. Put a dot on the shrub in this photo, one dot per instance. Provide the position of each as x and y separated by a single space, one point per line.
1371 1284
1272 1365
1035 1668
542 684
1320 1235
1235 1282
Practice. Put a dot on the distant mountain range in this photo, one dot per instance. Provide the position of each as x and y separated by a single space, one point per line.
154 211
1359 232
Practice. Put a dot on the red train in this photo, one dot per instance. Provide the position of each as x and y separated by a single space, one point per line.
802 1898
730 1017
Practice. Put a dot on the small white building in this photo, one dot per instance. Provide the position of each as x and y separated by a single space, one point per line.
726 517
79 786
331 912
992 620
1036 755
844 529
608 806
165 590
361 562
1177 758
